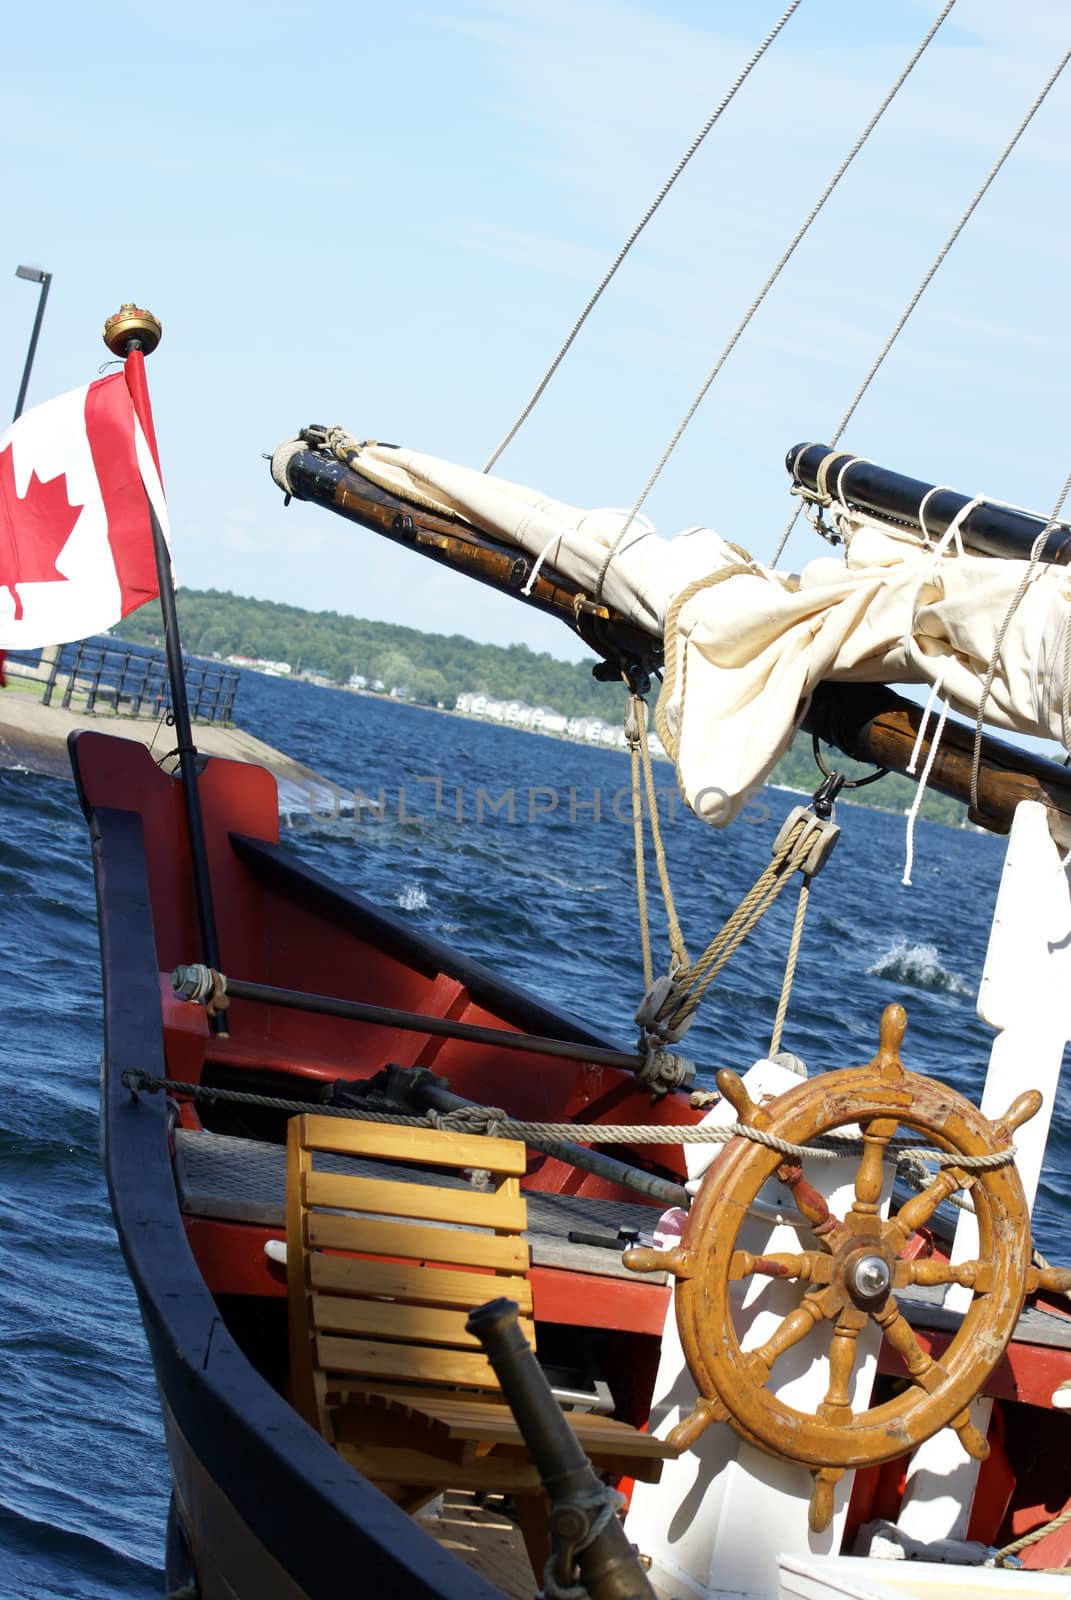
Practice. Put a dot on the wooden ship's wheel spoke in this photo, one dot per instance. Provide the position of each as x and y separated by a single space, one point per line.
829 1230
837 1405
976 1275
916 1212
816 1307
870 1176
922 1369
808 1266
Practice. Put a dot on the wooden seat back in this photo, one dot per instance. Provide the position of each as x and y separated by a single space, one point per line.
383 1272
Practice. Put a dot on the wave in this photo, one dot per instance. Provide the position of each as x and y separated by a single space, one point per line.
920 966
41 1553
573 885
412 898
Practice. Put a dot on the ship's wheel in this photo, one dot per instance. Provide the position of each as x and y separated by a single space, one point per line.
851 1273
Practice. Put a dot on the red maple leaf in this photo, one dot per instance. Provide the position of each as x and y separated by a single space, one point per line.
33 529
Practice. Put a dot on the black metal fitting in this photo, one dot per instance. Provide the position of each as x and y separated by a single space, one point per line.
825 795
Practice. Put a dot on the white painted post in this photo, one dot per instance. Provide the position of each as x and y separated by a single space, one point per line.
723 1511
1025 994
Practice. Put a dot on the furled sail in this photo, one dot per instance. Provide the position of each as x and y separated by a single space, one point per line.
745 646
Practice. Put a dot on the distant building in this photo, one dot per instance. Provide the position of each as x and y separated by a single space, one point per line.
541 719
588 728
547 720
272 669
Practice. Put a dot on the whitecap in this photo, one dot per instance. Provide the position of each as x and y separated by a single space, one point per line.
411 898
920 966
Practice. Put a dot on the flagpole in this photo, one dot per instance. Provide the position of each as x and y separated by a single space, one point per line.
132 334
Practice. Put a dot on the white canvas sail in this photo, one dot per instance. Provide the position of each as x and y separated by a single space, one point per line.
746 646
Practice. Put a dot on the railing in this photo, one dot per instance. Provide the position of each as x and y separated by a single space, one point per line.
126 678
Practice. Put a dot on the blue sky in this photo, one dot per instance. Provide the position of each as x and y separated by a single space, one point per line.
390 216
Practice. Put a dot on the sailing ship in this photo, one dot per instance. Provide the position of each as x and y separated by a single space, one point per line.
355 1138
447 1297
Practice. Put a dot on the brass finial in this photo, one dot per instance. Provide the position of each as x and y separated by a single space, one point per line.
131 322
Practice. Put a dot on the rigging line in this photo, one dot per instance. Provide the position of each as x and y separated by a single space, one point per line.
924 285
764 291
998 645
637 230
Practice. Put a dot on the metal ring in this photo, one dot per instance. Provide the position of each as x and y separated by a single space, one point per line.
849 783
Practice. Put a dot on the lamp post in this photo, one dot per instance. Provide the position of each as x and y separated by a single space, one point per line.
32 275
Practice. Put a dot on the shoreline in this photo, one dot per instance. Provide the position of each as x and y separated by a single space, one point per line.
843 799
34 736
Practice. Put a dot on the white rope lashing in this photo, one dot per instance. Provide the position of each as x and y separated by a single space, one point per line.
1031 568
931 757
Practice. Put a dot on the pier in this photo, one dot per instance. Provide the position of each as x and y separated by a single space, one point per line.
115 687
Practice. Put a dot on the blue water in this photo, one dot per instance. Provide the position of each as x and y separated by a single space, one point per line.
548 900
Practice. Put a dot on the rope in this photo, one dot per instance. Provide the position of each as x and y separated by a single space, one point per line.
991 671
636 731
673 660
920 790
918 1177
790 966
998 1558
668 1007
928 278
764 291
691 985
498 1124
637 846
596 1507
637 230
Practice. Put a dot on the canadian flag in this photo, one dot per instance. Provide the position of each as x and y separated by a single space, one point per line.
77 476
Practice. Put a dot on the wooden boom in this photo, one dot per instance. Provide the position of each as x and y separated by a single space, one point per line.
871 723
865 721
316 474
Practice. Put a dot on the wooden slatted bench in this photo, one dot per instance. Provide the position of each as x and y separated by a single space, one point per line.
381 1277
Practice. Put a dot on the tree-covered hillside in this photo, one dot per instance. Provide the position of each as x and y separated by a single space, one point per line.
435 668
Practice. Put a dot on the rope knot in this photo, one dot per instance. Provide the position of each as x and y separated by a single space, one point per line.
575 1523
661 1069
489 1120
